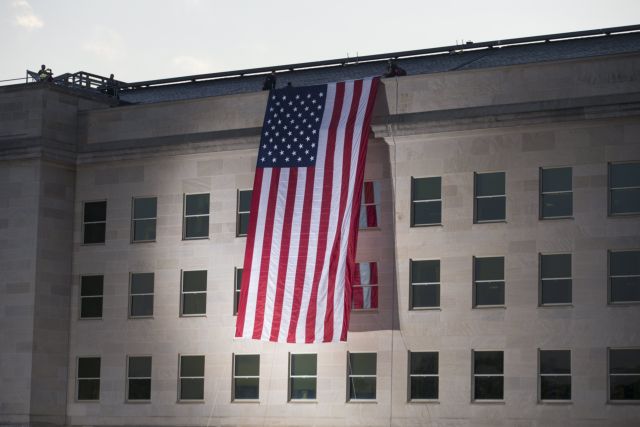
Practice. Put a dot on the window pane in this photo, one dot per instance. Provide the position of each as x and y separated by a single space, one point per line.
144 229
197 226
490 184
141 305
303 364
95 211
244 202
557 205
488 388
427 188
425 296
425 363
197 204
625 263
492 209
426 213
144 208
238 278
556 179
488 362
139 366
303 388
192 388
555 388
246 388
88 389
625 387
94 233
362 388
555 362
192 366
91 307
425 271
490 293
247 365
243 224
139 389
142 283
91 285
625 201
362 363
89 367
489 268
624 361
555 266
625 289
194 303
625 175
556 291
193 281
424 387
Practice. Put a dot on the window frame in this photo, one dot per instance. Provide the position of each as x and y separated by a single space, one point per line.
180 377
540 375
182 293
474 375
411 284
541 193
410 375
236 290
185 216
412 202
371 287
234 376
618 401
239 212
375 203
134 219
610 302
84 223
350 376
476 197
131 294
541 303
101 296
76 396
291 376
129 378
610 214
474 288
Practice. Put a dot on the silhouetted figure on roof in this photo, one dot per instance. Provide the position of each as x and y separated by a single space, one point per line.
269 81
111 86
45 74
394 70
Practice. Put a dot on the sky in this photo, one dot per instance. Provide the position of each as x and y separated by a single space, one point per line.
149 39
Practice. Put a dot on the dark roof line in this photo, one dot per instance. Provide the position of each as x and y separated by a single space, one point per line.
377 57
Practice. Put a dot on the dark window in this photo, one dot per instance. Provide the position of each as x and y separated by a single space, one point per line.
426 201
624 374
425 284
362 375
303 376
370 205
490 198
236 294
88 385
246 377
144 219
555 374
624 188
488 281
556 195
555 279
423 375
364 290
196 216
244 207
488 375
624 276
194 293
139 378
94 222
91 292
191 378
141 298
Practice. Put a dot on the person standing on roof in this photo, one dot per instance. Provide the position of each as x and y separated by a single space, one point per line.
394 70
45 74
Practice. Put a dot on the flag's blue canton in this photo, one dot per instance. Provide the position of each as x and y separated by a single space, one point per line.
291 127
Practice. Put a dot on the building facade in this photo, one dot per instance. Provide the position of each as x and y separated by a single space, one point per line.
499 250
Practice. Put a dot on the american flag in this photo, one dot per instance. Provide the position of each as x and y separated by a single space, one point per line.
365 286
300 255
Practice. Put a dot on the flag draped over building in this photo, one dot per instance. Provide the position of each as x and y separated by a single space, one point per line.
300 255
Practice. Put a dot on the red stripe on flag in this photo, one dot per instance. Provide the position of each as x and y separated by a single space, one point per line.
369 195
